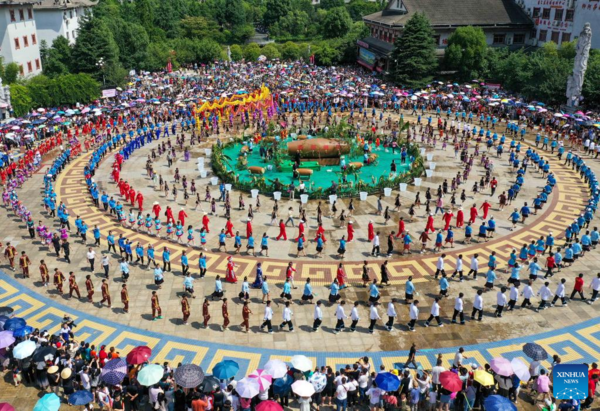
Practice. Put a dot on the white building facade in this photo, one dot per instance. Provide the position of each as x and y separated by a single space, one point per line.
56 18
19 42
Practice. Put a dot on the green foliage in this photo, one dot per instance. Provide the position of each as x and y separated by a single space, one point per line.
11 73
360 8
271 52
331 4
290 51
252 52
591 84
327 55
467 49
336 23
295 23
208 50
236 53
413 57
20 99
276 9
56 60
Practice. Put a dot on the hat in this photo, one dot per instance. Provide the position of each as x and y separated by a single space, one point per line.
249 218
155 203
229 258
474 366
181 209
65 373
349 222
52 369
205 213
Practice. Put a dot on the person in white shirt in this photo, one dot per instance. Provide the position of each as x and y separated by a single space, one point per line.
595 286
474 266
287 317
513 296
478 306
318 316
434 313
391 313
91 256
458 309
527 294
341 395
354 316
375 393
105 264
340 315
545 295
413 313
459 268
268 318
439 267
459 357
376 248
500 302
435 375
560 293
373 316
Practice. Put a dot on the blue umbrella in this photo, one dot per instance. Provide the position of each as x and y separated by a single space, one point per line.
499 403
535 351
23 331
81 397
282 386
114 371
387 381
225 369
14 323
49 402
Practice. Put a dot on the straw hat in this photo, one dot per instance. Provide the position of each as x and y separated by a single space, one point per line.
66 373
52 369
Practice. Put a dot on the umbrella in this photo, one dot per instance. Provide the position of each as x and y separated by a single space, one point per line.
520 369
276 368
303 388
484 378
6 310
282 386
4 406
269 406
24 349
319 381
49 402
263 378
499 403
301 362
14 323
23 331
247 388
44 352
387 381
535 351
501 366
209 384
114 371
150 374
139 355
450 381
6 339
81 397
189 375
3 320
225 369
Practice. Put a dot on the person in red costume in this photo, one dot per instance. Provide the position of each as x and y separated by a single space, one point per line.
249 228
401 228
474 214
120 185
321 230
156 209
447 217
205 221
169 214
182 215
282 232
115 174
485 207
140 200
230 276
125 192
460 218
429 226
371 231
300 230
132 194
350 231
229 228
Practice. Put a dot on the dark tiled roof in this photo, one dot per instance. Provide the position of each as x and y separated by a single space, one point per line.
459 13
378 45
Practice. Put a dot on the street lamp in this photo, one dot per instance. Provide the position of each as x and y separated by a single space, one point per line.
100 64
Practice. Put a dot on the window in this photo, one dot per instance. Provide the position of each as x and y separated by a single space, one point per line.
437 39
558 14
30 14
21 14
536 12
12 16
543 35
499 38
25 41
33 39
67 35
556 36
21 69
569 15
566 37
29 67
17 43
519 38
546 14
37 64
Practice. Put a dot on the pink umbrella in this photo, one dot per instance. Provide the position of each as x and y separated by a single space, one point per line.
502 366
269 406
264 380
4 406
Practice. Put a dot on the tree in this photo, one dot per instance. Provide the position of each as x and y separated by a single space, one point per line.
271 52
144 13
201 27
252 52
276 9
327 55
331 4
294 23
336 23
413 57
208 51
56 60
95 46
467 49
360 8
236 53
20 99
132 40
234 13
290 51
11 73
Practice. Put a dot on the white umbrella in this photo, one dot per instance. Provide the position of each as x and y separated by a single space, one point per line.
319 381
247 388
520 369
24 349
557 115
263 378
303 388
301 362
276 368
